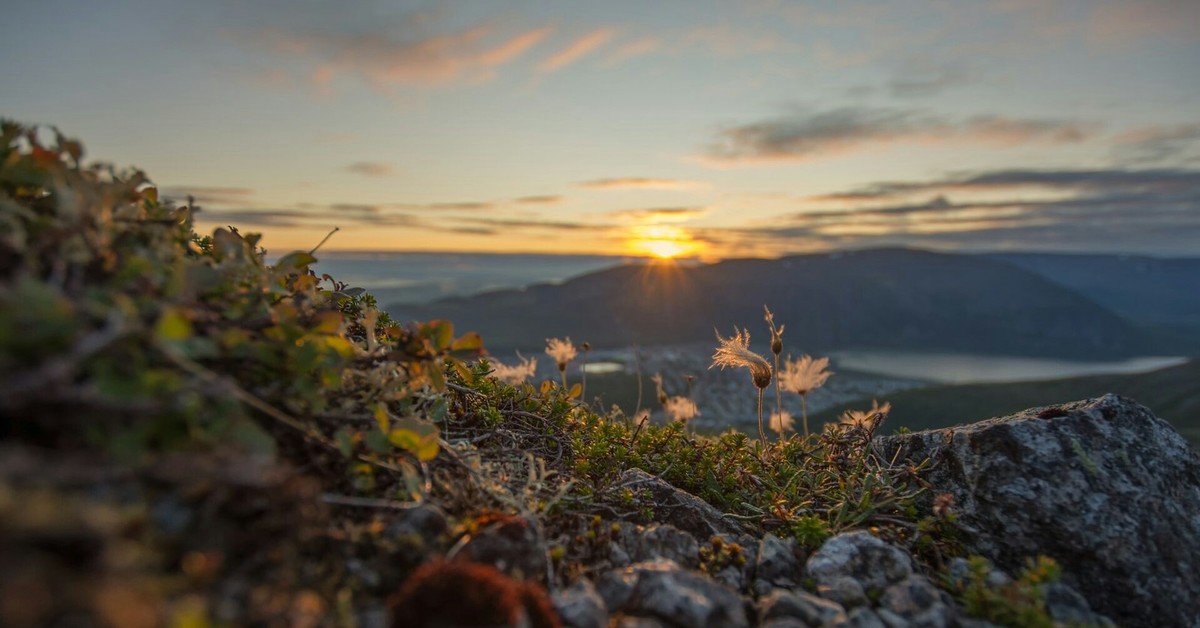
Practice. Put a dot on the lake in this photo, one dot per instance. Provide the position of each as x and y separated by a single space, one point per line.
949 368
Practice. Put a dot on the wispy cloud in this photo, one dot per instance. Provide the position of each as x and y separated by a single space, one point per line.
203 194
1159 144
540 199
577 49
633 49
658 214
927 80
640 183
806 135
385 58
371 168
1138 210
469 206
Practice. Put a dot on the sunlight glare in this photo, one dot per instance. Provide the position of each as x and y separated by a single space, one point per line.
661 241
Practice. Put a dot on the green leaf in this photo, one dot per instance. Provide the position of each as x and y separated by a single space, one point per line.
296 261
173 325
345 441
377 442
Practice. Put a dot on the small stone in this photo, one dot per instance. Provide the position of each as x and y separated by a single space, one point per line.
844 590
513 546
666 541
862 557
913 596
890 619
777 564
1067 606
862 618
662 590
806 607
580 606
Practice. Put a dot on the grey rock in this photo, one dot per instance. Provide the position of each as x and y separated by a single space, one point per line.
514 546
640 622
808 608
783 622
1105 487
959 570
862 557
862 618
680 508
665 542
777 564
580 606
426 521
890 619
844 590
677 597
1066 605
913 596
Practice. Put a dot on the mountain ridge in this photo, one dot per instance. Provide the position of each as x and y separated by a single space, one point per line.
891 298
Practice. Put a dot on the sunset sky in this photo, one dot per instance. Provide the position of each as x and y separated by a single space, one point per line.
713 129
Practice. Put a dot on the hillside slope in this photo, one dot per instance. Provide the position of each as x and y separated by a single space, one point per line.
885 298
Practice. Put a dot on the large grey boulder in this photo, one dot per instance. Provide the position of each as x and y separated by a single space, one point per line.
1103 486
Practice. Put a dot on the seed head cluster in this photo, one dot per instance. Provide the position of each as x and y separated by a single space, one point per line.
804 374
561 351
736 352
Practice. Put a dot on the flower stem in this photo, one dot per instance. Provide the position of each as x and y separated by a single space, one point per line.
804 413
762 435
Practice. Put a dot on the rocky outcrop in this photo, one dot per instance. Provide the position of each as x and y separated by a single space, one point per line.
680 508
1104 487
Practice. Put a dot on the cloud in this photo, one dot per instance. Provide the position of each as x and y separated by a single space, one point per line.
207 194
388 57
1154 211
460 206
1097 181
805 135
355 208
633 49
639 183
658 214
577 49
928 81
1157 144
538 200
370 168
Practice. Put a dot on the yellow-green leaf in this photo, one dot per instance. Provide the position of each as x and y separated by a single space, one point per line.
173 325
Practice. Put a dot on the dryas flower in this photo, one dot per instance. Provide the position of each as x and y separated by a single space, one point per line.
680 409
736 352
867 419
805 374
562 351
515 374
776 333
658 387
781 421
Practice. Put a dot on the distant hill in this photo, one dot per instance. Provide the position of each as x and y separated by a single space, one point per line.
884 298
1171 393
1151 292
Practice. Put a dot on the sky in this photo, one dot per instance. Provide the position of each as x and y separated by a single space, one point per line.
705 129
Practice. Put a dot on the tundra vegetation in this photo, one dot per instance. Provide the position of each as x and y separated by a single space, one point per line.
192 435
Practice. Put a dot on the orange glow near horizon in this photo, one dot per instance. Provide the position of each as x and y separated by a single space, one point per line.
662 241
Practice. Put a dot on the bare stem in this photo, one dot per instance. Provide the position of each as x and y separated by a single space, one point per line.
778 393
762 435
804 413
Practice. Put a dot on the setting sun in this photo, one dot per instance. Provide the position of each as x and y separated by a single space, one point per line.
663 242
